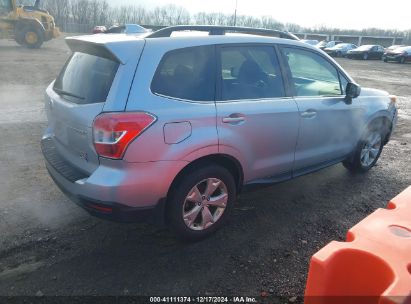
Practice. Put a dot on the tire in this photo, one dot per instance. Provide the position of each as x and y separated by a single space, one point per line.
402 60
17 35
194 215
365 56
385 59
339 54
368 150
31 37
18 40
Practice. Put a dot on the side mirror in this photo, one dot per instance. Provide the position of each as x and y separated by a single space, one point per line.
352 90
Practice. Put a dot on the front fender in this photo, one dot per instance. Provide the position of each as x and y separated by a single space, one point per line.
381 117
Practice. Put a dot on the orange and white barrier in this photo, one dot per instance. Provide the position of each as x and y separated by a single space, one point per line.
372 266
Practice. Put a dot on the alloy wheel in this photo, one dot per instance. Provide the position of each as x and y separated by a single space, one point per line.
205 203
372 146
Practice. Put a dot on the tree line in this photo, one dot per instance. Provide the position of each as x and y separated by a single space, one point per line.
99 12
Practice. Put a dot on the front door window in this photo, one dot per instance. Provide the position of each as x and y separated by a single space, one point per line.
311 74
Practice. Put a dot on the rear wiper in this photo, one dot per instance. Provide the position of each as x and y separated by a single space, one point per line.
61 92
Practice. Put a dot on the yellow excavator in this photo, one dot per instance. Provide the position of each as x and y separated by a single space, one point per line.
29 26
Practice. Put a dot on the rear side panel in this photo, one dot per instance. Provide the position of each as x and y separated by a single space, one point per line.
184 130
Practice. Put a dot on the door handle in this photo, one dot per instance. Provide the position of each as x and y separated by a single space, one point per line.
309 114
233 119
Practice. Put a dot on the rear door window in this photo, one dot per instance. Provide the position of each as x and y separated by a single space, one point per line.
86 78
250 72
187 74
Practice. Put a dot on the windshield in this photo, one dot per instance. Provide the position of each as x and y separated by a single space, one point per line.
341 45
86 78
364 47
322 43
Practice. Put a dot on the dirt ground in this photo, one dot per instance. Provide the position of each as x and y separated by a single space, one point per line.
49 246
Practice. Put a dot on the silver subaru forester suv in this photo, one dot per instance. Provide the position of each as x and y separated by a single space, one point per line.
170 127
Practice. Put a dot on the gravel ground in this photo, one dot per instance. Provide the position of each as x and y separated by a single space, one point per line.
50 246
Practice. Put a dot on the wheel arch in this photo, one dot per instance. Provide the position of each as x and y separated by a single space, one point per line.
383 121
226 161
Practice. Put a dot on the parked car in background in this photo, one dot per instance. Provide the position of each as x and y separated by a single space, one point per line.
391 48
99 29
340 50
118 29
310 42
327 44
367 51
136 126
401 55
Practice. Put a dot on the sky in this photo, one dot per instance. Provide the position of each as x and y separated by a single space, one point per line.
346 14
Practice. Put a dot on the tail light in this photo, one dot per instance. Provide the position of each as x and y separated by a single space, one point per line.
113 132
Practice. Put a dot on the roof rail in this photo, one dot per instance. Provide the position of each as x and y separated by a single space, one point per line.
221 30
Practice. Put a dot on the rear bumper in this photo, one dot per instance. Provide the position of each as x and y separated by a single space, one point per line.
112 211
116 190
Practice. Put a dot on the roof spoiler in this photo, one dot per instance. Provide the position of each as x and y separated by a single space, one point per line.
106 46
87 47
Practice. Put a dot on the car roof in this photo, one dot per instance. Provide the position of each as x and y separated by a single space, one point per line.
121 46
122 40
218 30
170 43
228 38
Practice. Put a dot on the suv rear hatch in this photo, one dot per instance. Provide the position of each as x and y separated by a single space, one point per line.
96 78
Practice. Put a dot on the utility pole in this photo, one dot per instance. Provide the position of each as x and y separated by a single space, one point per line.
235 13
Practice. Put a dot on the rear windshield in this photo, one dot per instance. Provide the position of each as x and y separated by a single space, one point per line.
86 78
